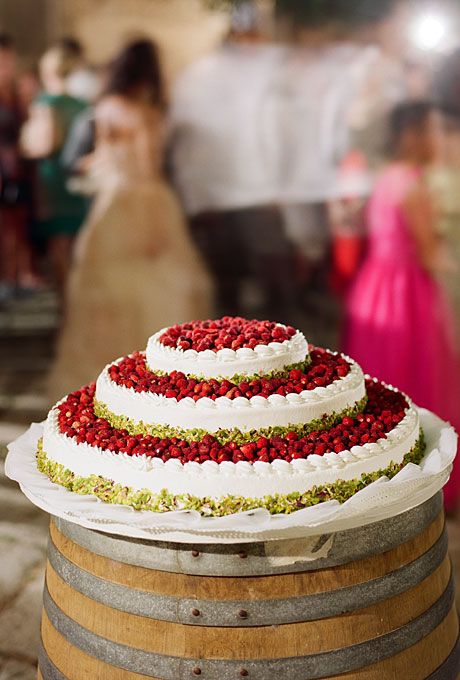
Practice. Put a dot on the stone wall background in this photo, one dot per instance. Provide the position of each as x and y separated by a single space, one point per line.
184 29
26 20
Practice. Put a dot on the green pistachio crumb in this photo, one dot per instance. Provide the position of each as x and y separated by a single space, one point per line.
243 377
225 436
208 506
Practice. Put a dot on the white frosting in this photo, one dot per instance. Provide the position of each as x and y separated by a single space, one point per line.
223 413
240 479
226 362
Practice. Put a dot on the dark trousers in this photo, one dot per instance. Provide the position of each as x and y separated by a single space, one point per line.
251 242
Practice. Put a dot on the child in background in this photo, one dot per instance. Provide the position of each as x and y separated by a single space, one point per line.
347 220
399 325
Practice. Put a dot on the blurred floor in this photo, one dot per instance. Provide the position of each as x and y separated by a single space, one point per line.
27 331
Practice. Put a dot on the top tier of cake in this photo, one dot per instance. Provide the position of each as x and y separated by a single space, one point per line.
227 347
232 377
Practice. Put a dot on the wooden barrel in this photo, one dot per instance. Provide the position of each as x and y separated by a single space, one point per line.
370 603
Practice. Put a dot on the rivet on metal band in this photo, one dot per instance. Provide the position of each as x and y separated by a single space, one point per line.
314 666
260 612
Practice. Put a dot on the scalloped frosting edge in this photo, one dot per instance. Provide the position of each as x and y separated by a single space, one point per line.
224 413
225 436
109 492
240 377
228 478
226 362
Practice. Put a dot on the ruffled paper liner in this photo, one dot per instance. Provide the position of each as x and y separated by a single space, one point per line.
384 498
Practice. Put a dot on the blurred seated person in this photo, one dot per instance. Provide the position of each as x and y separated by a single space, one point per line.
136 267
347 220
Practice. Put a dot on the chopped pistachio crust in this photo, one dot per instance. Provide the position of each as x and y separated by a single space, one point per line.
164 501
225 436
244 377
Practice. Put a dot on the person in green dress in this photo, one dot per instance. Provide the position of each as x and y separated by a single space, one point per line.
61 212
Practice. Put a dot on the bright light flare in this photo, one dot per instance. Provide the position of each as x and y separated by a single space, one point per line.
428 31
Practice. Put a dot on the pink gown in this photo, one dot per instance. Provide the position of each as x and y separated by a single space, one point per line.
399 326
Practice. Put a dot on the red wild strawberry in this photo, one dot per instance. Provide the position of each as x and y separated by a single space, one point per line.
77 420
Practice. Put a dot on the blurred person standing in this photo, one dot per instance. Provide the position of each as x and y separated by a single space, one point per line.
28 88
386 81
341 79
15 253
224 156
347 221
61 213
317 83
136 268
399 325
445 176
444 183
383 80
77 155
83 82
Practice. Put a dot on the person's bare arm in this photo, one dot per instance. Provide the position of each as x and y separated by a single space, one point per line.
40 136
149 142
420 213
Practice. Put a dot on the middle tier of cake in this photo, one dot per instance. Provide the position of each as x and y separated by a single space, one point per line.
131 396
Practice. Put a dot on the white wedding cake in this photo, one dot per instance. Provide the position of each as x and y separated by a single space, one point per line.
229 415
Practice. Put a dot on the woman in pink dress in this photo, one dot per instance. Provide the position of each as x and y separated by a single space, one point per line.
399 326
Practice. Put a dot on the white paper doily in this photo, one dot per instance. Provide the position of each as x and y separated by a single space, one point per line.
380 500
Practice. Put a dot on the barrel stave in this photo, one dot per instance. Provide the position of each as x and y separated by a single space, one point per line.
376 616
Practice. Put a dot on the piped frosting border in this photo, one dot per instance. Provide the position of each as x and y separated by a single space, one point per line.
165 501
226 436
226 363
240 413
228 478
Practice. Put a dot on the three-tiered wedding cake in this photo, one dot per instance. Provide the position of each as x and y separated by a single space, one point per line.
229 415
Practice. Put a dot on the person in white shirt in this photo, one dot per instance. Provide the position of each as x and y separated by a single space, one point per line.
337 87
318 82
84 82
225 163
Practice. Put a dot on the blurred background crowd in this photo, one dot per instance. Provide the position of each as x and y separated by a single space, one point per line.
290 160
